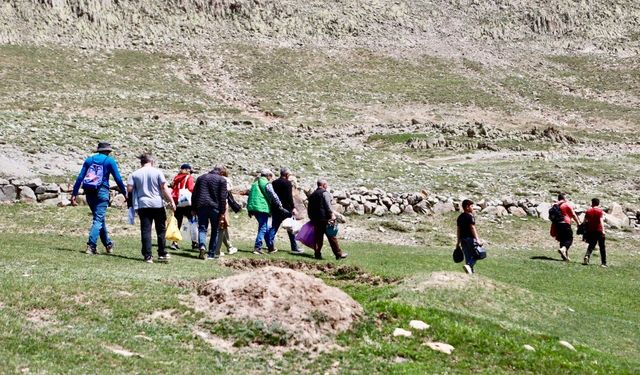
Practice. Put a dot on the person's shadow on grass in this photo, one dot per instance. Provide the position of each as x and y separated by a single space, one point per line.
83 252
542 257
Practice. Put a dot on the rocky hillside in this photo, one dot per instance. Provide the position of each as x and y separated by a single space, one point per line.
567 24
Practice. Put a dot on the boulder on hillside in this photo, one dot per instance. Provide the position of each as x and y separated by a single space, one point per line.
616 211
517 211
395 209
8 193
497 211
408 210
380 210
27 195
443 208
543 210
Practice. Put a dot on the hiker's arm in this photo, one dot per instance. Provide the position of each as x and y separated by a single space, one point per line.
575 217
166 192
76 186
274 197
117 177
475 234
222 198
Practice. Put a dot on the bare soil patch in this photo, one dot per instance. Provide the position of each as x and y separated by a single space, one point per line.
307 309
453 280
331 270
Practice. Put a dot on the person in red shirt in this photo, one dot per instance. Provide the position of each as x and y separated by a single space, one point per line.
593 219
562 231
182 180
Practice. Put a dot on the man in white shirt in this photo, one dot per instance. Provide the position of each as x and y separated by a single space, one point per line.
148 186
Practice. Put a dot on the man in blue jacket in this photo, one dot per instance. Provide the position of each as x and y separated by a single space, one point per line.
94 178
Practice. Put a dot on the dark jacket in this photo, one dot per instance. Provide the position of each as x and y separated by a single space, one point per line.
210 192
319 208
284 190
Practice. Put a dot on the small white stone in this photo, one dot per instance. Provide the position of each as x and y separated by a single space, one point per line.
418 324
530 348
567 345
440 347
401 332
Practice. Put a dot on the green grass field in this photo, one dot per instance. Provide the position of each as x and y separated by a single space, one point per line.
62 310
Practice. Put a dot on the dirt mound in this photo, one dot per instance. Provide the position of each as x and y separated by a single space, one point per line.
338 272
451 280
305 307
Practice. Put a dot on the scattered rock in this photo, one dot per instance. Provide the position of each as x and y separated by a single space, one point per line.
120 351
440 347
401 332
543 211
418 324
27 195
529 348
566 345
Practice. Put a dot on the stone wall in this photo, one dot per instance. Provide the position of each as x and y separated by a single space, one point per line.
355 202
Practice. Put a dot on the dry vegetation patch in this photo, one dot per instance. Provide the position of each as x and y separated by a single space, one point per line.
290 308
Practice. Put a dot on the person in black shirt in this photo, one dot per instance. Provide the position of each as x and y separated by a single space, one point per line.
468 235
284 190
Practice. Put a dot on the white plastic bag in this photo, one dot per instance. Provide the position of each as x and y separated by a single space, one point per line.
288 223
194 229
184 195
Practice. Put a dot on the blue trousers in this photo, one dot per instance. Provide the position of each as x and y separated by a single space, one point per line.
468 244
263 230
206 216
98 203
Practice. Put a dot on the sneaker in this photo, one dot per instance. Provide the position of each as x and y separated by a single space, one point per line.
194 246
297 251
91 250
203 252
148 259
258 251
585 260
174 246
604 266
563 253
212 258
271 251
342 256
164 258
233 250
109 248
467 268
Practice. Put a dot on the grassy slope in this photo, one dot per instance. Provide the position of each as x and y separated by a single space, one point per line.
523 301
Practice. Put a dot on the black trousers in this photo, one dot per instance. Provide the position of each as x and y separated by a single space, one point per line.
157 216
594 238
564 235
181 212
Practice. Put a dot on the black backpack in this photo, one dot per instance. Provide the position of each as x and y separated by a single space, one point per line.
555 214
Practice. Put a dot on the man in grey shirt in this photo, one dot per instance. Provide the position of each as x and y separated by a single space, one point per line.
148 186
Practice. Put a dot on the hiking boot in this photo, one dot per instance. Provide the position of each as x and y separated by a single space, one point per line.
91 250
233 250
342 256
563 253
174 246
271 251
163 258
109 248
148 259
203 252
585 260
467 268
258 251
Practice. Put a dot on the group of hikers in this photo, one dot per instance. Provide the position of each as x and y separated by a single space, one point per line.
207 200
469 245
